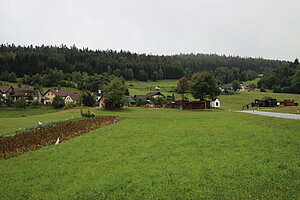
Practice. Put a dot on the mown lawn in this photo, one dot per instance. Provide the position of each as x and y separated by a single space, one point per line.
164 154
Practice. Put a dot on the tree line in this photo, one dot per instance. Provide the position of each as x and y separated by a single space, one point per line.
283 79
42 60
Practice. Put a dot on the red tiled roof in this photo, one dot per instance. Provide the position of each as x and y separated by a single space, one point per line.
62 93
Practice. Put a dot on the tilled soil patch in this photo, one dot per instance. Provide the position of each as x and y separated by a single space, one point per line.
27 141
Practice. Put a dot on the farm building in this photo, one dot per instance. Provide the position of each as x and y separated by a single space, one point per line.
216 103
266 102
287 102
190 105
269 102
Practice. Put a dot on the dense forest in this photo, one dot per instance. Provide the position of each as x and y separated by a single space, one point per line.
67 66
283 79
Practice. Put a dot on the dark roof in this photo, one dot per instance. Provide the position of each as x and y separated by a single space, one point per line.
154 93
130 99
150 94
23 94
141 96
62 93
5 88
23 89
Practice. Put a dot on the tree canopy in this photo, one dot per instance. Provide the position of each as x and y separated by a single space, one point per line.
204 85
114 94
47 62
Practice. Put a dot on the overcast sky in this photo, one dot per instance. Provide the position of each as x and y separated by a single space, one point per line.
252 28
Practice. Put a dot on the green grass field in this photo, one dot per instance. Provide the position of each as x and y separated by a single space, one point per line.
161 154
164 154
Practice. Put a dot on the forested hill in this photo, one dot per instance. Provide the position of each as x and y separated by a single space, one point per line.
40 59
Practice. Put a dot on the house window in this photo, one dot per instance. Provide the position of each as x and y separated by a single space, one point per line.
217 103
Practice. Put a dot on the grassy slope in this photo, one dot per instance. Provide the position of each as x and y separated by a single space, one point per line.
164 154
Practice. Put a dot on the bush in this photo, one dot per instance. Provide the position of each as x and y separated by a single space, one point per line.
35 103
262 90
88 99
87 113
277 89
69 105
21 103
58 102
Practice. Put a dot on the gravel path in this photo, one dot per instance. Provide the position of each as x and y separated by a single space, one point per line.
272 114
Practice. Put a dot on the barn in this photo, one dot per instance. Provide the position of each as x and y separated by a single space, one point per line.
189 105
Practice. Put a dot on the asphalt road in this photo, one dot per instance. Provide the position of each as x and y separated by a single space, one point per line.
272 114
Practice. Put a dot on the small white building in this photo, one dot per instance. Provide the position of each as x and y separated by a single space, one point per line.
216 103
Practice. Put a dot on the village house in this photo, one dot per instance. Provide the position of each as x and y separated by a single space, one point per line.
51 93
98 95
225 88
245 87
150 95
29 94
6 91
130 100
101 102
71 98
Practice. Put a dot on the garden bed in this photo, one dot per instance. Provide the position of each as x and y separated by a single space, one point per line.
27 141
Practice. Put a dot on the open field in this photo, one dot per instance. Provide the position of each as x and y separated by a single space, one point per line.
162 154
